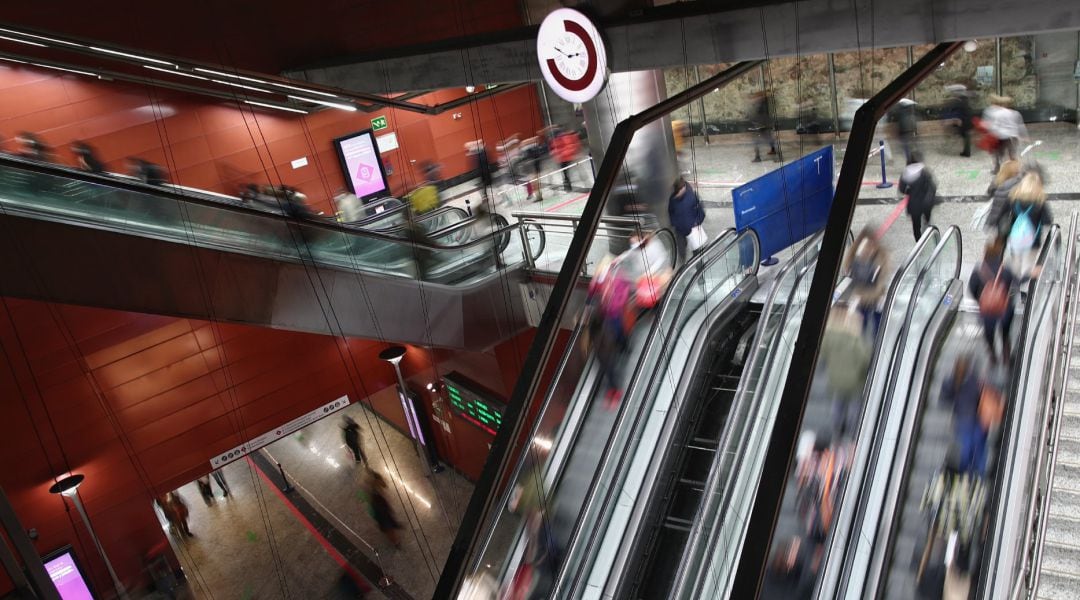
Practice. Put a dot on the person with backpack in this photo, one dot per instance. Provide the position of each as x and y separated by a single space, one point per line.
918 184
1026 218
1006 179
866 264
992 283
685 213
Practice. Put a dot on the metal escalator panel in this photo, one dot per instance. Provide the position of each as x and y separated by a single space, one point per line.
575 438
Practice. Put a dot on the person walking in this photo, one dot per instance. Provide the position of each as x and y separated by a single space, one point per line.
482 163
176 512
1025 219
87 158
866 264
846 354
351 434
963 390
565 148
918 184
992 283
219 477
685 213
205 491
762 124
1005 127
381 511
959 109
997 221
905 125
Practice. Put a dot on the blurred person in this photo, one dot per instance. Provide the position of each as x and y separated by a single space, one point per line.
963 389
219 477
1007 177
87 158
565 148
918 184
761 123
541 559
294 203
420 239
866 264
649 261
424 198
377 488
905 126
31 146
203 483
954 501
350 209
845 352
609 298
532 158
1005 128
959 109
432 172
481 162
992 283
176 511
685 213
1025 219
350 432
818 477
147 172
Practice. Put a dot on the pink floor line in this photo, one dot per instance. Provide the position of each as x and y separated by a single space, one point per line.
565 203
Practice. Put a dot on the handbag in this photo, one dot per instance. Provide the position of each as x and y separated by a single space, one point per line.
697 238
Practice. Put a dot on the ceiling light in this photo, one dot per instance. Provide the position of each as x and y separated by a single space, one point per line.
135 56
970 46
230 75
338 105
285 108
27 42
175 72
40 37
470 89
240 85
300 89
87 73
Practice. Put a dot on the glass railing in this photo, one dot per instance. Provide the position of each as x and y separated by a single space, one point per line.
888 407
467 249
652 402
1012 478
555 434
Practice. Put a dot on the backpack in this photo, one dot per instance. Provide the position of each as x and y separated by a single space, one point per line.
994 299
1023 232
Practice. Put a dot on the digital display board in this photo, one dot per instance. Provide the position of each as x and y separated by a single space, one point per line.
66 575
471 405
362 165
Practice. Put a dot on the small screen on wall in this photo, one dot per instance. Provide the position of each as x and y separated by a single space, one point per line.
362 165
473 406
66 575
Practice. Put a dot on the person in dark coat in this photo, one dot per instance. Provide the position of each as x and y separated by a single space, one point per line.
762 125
87 158
1007 177
993 268
148 172
906 125
685 212
962 390
351 434
482 164
918 184
32 147
959 108
381 510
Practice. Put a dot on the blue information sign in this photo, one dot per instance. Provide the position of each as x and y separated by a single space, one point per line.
788 204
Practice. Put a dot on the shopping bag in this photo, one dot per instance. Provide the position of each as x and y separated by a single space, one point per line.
697 238
978 220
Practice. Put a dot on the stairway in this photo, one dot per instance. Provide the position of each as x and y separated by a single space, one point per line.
1060 577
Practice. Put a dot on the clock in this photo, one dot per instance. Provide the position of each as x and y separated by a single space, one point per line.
572 55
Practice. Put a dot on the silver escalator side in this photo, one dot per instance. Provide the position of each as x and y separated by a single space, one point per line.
1003 574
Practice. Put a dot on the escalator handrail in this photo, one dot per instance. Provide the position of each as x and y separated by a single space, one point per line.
877 432
690 272
419 219
694 538
995 490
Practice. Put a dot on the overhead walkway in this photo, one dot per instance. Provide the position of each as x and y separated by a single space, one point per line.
105 241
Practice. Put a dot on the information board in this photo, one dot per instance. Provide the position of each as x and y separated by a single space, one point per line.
67 576
362 165
788 204
276 434
472 404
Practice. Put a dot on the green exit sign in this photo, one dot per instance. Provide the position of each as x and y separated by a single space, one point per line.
378 123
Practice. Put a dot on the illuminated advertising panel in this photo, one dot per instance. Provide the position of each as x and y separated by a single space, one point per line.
362 166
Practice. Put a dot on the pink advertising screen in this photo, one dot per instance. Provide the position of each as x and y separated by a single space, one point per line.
67 576
362 165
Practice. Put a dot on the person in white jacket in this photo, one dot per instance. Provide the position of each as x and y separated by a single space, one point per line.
1005 124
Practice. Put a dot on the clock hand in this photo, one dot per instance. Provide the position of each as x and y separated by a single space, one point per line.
559 50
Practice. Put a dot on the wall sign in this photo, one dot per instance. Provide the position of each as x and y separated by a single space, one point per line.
378 123
572 56
471 404
67 576
276 434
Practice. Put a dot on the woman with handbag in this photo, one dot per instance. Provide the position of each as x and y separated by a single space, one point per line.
991 284
686 215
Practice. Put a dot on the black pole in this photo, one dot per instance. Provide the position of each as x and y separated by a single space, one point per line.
778 457
286 488
500 459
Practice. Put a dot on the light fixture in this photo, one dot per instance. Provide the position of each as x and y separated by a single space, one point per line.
130 55
470 89
14 60
87 73
430 387
27 42
275 106
393 355
176 72
68 487
337 105
40 37
229 75
300 89
970 46
240 85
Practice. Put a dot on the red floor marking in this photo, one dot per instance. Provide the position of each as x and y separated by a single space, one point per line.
900 206
334 554
565 202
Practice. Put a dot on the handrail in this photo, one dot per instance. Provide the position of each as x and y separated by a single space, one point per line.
462 551
695 268
993 543
899 460
770 492
1073 302
694 538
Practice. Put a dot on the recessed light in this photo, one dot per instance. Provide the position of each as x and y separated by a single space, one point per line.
284 108
337 105
130 55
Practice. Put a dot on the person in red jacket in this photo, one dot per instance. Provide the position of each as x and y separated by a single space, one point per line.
565 148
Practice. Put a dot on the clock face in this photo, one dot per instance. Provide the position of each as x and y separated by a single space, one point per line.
572 56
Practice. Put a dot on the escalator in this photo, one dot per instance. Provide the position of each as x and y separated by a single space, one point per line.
104 241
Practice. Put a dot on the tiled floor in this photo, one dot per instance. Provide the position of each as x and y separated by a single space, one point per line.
255 544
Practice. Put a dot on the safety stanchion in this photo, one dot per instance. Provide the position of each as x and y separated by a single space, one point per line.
885 183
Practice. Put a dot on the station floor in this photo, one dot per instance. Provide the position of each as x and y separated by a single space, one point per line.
318 540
